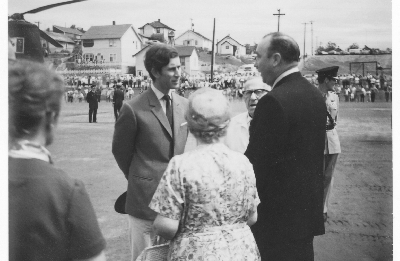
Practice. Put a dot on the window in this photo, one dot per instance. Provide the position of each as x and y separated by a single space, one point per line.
112 42
158 30
195 42
182 61
227 47
188 42
113 57
88 57
88 42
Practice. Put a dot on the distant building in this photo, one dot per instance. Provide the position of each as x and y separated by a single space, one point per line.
156 27
66 42
114 45
192 38
188 56
228 45
72 33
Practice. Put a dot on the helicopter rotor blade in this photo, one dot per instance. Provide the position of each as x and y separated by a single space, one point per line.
37 10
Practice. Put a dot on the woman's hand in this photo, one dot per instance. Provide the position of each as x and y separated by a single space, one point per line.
165 227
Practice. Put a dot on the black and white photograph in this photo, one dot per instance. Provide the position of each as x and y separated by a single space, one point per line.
201 130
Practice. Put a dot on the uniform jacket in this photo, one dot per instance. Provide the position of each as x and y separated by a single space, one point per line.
91 98
286 148
141 147
237 137
332 143
118 97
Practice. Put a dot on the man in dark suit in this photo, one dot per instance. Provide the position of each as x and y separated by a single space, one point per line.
149 131
91 98
118 99
286 148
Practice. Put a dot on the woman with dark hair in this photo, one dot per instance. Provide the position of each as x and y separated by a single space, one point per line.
207 198
50 214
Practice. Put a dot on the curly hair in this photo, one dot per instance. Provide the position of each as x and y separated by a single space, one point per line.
208 115
34 92
157 57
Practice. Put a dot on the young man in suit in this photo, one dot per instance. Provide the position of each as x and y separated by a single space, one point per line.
91 98
286 148
149 131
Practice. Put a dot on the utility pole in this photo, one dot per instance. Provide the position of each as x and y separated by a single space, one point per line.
191 24
304 50
38 23
212 56
312 39
279 17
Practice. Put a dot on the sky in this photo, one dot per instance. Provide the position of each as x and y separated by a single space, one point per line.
365 22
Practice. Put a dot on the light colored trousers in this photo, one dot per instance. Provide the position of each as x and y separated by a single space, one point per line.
141 235
330 163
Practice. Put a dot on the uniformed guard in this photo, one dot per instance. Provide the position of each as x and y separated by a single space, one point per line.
327 78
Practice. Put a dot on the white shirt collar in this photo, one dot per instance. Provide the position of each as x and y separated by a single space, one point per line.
286 73
25 149
159 94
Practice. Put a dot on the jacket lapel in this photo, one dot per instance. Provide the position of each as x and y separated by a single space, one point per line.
158 111
179 119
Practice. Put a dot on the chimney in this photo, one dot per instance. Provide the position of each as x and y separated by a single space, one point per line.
159 20
113 22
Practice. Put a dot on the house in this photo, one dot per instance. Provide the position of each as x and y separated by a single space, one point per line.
112 45
228 45
66 42
157 27
192 38
72 33
188 55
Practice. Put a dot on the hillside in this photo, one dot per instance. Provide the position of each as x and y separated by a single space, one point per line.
314 63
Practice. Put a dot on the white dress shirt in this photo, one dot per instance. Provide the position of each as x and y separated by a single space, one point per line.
237 136
160 96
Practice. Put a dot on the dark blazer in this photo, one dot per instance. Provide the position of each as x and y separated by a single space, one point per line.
141 146
91 98
118 97
286 148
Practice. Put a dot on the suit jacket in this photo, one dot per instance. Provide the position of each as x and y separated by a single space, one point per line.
286 149
143 145
91 98
118 97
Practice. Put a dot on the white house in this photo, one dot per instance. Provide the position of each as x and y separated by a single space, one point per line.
192 38
188 56
228 45
114 45
157 27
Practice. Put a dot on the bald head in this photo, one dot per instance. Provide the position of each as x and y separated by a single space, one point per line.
254 89
283 44
256 83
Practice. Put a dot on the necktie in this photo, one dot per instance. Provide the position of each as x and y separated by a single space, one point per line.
168 109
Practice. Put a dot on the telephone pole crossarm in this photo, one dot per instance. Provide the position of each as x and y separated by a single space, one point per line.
279 17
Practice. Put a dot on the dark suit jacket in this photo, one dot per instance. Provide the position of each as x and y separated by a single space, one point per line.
91 98
286 148
141 146
118 98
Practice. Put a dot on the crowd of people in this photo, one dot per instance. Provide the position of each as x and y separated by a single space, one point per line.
210 187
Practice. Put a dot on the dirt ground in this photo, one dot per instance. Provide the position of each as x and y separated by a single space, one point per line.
360 220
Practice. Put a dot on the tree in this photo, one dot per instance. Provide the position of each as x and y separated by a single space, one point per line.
330 46
354 46
389 50
319 49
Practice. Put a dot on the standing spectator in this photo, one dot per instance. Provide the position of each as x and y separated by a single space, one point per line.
118 99
374 92
50 213
93 104
286 148
363 93
327 79
368 94
98 93
346 94
387 93
131 92
353 93
108 93
80 96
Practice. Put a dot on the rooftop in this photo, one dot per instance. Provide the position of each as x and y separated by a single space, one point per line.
185 51
68 30
59 37
202 36
157 24
106 31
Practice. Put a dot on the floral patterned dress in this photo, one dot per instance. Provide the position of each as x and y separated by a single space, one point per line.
212 191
